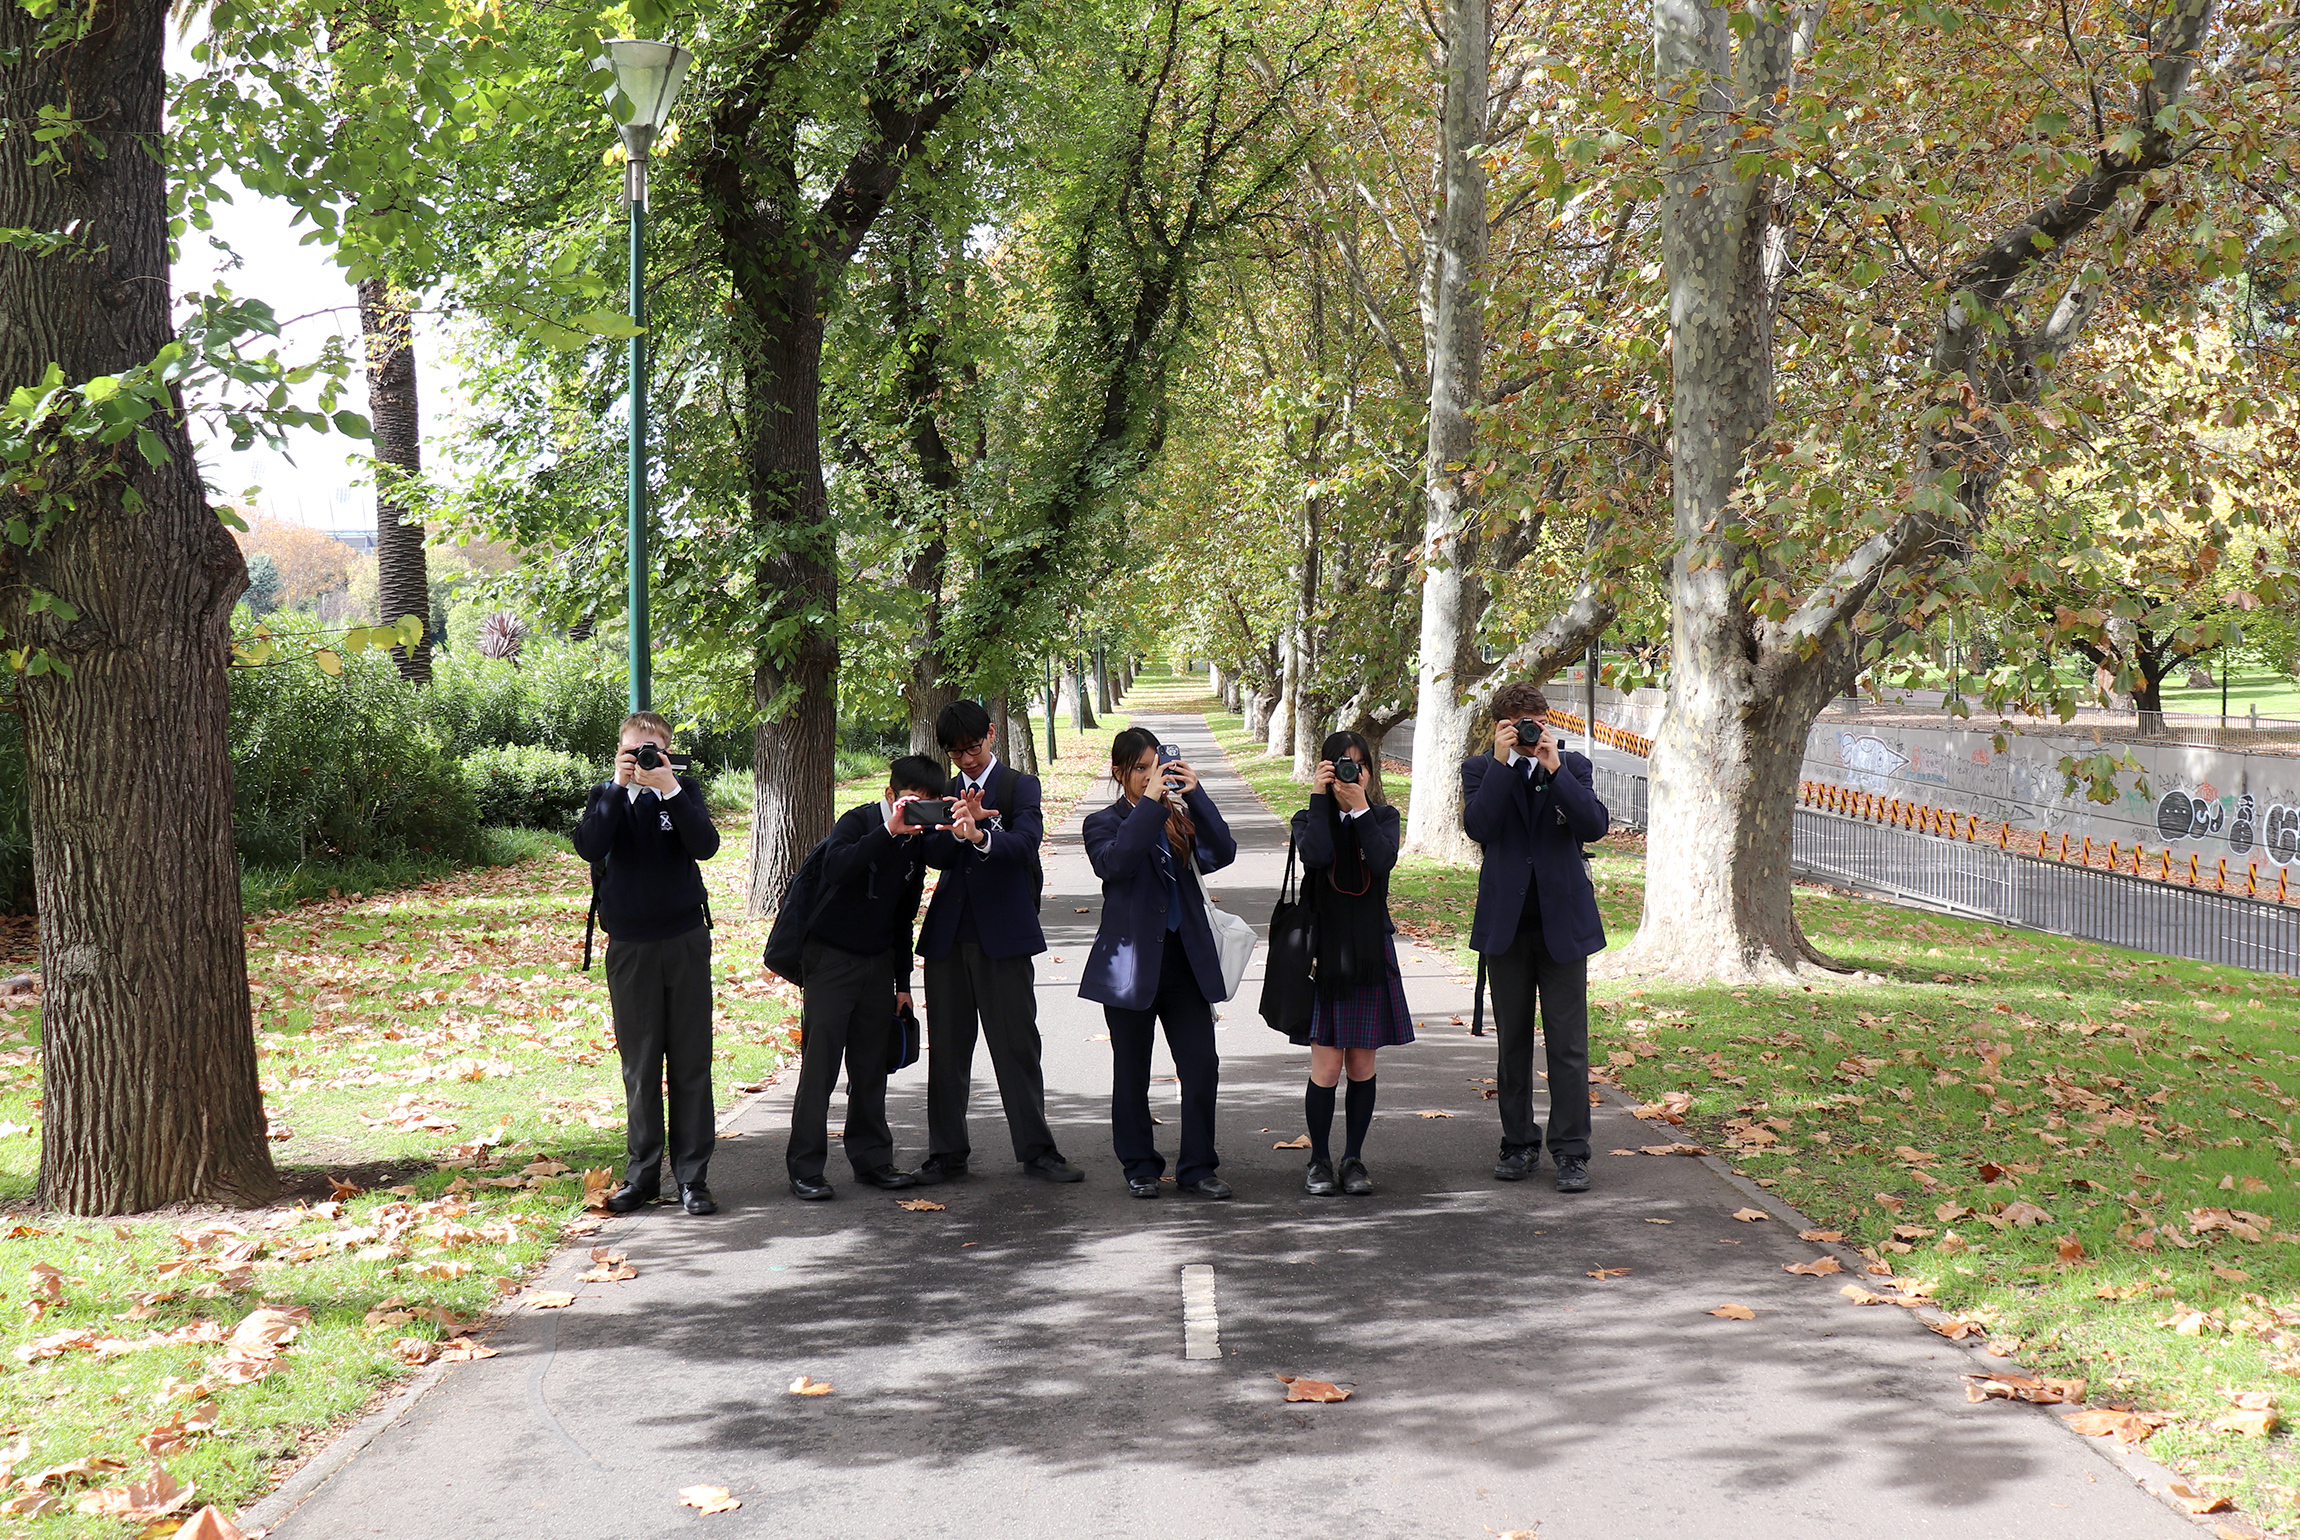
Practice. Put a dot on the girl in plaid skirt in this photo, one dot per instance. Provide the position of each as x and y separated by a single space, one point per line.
1348 837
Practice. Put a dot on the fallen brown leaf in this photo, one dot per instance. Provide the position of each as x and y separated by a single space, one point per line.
209 1524
1300 1388
921 1205
1672 1149
598 1185
2023 1213
2194 1501
1750 1216
2069 1249
2250 1424
1821 1237
2107 1422
1734 1313
1603 1273
156 1496
1861 1296
551 1299
1819 1267
1956 1328
1301 1143
709 1499
1437 1114
805 1385
2022 1387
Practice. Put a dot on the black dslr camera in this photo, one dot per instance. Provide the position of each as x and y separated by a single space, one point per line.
1346 770
647 757
1529 731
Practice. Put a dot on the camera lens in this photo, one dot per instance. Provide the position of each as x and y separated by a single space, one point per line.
1346 771
647 757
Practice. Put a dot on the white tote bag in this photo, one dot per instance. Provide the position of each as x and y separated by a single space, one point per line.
1233 939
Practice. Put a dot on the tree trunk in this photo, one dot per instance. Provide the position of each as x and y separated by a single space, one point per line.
1281 725
925 690
1102 680
1018 748
149 1064
1308 696
1081 705
795 684
403 583
1442 719
1256 713
1726 762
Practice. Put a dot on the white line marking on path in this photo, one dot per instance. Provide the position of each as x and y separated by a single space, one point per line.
1201 1325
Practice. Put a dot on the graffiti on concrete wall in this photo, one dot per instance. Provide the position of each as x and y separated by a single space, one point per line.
2205 813
1872 761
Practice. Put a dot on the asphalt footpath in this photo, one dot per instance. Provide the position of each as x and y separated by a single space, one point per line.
1013 1365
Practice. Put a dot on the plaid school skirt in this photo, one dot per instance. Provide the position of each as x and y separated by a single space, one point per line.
1368 1016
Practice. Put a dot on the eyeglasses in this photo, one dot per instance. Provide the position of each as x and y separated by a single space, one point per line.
968 749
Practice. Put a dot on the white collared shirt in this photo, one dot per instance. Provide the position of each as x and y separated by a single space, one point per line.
981 783
632 791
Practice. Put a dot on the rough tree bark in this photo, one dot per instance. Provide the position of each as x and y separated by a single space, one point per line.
780 247
149 1072
1442 717
1744 691
403 583
1076 686
1281 723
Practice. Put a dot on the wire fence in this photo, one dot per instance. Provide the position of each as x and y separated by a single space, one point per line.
1982 880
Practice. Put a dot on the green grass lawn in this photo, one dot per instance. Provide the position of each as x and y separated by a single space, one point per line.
435 1045
2143 1105
2277 695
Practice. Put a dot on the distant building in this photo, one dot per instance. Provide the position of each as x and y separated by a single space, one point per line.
360 540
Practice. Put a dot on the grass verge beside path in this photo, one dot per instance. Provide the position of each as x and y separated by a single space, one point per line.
2085 1154
436 1045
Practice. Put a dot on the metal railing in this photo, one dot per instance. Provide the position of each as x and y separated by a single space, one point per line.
1978 880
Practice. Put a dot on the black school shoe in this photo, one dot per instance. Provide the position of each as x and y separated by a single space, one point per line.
937 1168
696 1198
1572 1174
628 1199
1320 1182
811 1189
1052 1168
1355 1182
1516 1165
1207 1187
1142 1186
887 1176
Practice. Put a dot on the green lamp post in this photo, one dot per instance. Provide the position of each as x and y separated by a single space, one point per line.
647 81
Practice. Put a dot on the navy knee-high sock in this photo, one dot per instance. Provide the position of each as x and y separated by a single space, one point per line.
1318 1114
1357 1116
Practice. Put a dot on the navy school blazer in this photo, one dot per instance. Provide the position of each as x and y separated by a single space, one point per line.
999 884
1532 837
1130 947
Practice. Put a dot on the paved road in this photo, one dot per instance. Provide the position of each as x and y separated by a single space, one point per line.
1013 1366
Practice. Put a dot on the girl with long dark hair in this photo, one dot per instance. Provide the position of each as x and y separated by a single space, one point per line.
1155 958
1348 837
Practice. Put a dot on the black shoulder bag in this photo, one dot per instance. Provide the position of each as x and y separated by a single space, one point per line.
1289 993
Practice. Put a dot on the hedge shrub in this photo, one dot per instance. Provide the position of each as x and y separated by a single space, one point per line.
530 787
330 767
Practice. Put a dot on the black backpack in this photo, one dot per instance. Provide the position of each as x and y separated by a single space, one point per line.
803 904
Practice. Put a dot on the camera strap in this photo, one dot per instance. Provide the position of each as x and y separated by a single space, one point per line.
591 920
1477 1000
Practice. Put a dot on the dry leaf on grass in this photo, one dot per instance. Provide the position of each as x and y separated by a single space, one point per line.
31 1505
2107 1422
1861 1296
1750 1216
209 1524
2022 1387
2023 1213
921 1205
1734 1313
1302 1388
1603 1273
1956 1328
1301 1143
2250 1424
805 1385
709 1499
264 1330
551 1299
156 1496
1819 1267
2069 1249
2196 1502
598 1184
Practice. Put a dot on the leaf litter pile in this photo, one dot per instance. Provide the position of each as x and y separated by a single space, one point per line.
2090 1158
437 1043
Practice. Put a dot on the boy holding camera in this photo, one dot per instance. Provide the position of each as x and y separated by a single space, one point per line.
858 976
644 831
1532 807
